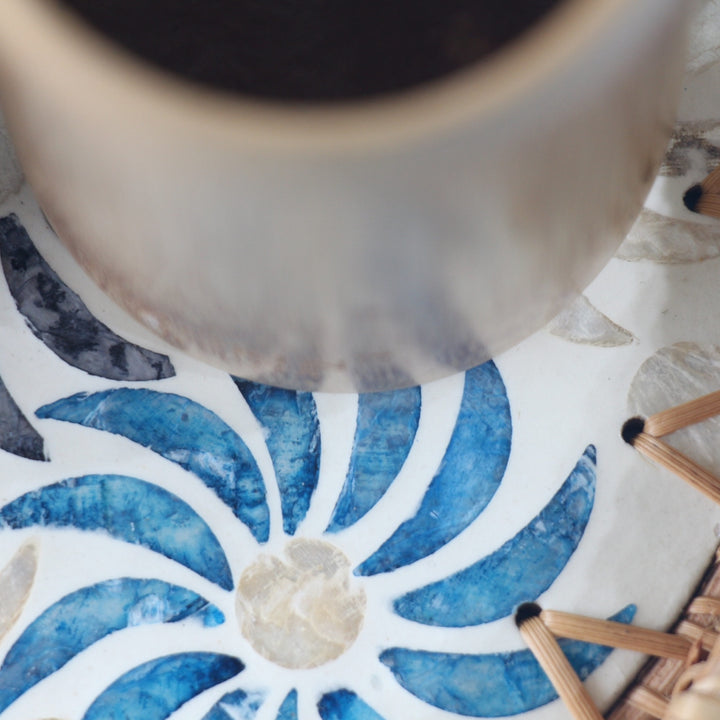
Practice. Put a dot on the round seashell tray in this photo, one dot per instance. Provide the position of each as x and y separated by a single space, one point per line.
177 542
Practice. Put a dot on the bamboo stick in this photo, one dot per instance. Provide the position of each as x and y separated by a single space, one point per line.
548 653
696 633
709 205
712 182
660 452
680 416
704 197
703 605
648 701
617 635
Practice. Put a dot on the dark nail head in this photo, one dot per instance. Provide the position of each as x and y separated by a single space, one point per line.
526 611
631 429
692 196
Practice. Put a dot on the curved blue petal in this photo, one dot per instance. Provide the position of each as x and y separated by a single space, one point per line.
236 705
468 477
386 427
128 509
489 685
155 690
82 618
289 710
293 441
345 705
517 572
57 316
17 435
182 431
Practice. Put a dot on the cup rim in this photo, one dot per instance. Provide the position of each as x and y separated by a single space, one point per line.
480 89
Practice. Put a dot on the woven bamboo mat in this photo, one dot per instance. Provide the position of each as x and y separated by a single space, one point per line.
658 677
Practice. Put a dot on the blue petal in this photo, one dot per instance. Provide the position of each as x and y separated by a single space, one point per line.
386 427
468 477
82 618
182 431
57 316
155 690
345 705
288 709
130 510
520 570
293 440
489 685
237 705
17 435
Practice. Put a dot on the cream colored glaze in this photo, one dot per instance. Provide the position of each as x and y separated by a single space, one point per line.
364 246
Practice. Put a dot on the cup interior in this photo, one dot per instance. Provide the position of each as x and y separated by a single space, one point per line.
493 81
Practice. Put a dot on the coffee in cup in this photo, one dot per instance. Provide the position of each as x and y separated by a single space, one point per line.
312 50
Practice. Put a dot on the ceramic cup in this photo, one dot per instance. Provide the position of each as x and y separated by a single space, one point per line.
356 246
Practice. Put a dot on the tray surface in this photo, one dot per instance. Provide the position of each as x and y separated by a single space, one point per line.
178 542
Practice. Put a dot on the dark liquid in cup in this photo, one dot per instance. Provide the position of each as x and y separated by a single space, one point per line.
312 50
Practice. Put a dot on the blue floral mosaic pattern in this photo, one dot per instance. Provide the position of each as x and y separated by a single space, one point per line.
525 565
184 433
130 510
468 477
386 427
293 440
58 317
345 705
470 684
157 688
236 705
288 709
17 435
181 431
84 617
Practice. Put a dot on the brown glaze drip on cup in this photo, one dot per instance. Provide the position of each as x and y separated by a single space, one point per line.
312 50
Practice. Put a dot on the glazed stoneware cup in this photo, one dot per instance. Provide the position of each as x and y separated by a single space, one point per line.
352 246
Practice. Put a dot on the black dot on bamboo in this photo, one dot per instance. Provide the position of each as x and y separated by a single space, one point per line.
525 612
692 197
631 429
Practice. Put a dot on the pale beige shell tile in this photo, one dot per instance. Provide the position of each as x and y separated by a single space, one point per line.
704 50
16 580
674 375
581 322
663 239
693 147
300 612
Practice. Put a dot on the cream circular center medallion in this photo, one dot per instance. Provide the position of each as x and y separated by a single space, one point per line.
300 611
